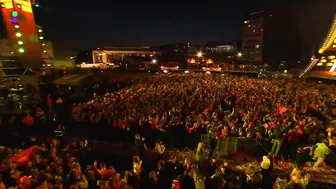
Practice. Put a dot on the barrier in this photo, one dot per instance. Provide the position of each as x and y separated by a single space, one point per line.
230 145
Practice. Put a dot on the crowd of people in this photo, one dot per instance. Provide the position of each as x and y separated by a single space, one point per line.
292 118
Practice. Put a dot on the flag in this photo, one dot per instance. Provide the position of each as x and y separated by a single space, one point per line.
24 157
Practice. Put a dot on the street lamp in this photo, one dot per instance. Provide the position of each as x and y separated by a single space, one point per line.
240 54
199 54
154 61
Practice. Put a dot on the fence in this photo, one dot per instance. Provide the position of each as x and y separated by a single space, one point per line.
231 145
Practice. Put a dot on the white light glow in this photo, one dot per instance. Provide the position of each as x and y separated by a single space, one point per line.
21 50
41 37
332 69
40 30
16 26
20 42
18 34
165 71
154 61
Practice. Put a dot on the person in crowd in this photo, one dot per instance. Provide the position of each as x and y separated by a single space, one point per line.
212 167
320 153
153 181
277 140
137 170
280 182
160 148
253 179
200 152
265 171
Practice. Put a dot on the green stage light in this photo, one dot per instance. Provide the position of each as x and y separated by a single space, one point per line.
15 14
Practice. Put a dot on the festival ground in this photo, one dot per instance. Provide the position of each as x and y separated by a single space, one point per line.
238 162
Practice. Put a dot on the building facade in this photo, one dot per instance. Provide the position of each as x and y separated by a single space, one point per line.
253 37
271 37
132 55
22 33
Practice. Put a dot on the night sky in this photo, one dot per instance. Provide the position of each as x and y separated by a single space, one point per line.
78 24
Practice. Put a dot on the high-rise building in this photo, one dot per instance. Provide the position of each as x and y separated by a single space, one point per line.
22 33
271 37
253 37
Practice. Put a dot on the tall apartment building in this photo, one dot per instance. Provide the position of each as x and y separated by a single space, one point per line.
271 37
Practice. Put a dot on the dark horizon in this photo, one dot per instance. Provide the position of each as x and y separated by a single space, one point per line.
77 25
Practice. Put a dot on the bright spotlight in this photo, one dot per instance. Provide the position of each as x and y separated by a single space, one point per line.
154 61
199 54
240 54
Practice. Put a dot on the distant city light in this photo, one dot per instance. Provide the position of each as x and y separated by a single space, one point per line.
240 54
18 35
15 14
154 61
44 51
165 71
21 50
186 71
285 71
37 5
20 42
15 20
16 26
199 54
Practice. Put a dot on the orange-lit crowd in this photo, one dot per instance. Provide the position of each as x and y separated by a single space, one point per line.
292 118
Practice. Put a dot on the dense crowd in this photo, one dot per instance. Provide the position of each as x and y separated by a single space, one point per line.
290 116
